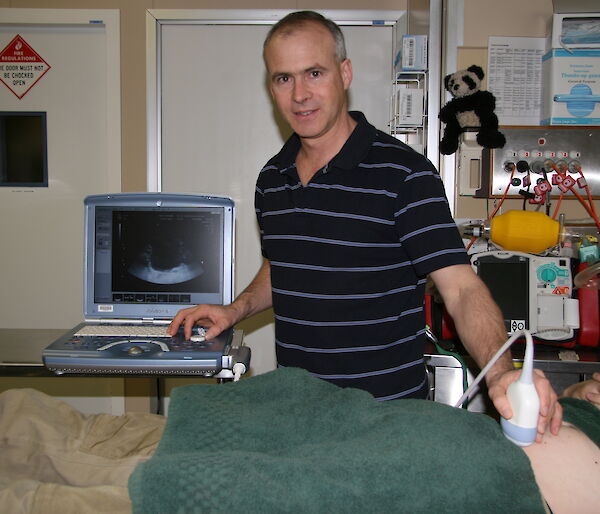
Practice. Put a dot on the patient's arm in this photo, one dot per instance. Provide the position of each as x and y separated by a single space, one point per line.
588 390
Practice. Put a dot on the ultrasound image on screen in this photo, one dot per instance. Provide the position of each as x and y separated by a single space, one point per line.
166 251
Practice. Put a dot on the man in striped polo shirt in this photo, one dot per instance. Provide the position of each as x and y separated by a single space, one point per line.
352 222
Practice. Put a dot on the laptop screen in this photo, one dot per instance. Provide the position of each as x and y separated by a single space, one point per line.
148 255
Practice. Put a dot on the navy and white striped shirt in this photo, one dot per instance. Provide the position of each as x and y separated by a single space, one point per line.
349 255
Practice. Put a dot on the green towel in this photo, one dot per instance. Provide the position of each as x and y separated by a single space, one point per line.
288 442
584 415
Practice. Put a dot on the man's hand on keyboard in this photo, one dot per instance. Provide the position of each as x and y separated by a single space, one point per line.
215 318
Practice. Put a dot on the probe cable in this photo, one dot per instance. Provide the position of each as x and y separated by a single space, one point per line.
492 361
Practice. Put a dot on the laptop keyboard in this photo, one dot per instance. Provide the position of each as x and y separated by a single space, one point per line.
123 331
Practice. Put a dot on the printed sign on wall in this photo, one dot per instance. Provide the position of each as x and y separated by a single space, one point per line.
21 67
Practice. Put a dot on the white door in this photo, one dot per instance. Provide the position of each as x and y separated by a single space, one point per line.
41 227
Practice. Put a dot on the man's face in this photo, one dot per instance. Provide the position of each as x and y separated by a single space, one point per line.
306 81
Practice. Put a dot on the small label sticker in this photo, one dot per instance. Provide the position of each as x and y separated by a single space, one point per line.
517 324
105 308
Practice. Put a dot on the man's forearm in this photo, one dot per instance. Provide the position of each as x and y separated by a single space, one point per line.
476 316
480 325
257 296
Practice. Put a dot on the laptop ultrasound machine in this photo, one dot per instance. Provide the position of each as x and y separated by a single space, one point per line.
146 256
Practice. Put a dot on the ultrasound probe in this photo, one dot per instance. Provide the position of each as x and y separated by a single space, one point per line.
521 428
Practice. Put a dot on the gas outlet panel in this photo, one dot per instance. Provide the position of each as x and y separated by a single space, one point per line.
535 150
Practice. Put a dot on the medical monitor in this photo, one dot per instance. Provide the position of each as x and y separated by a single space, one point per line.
508 281
148 255
533 292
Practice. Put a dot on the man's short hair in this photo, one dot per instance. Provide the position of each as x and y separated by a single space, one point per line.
295 20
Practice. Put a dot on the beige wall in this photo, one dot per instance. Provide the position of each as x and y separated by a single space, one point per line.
485 18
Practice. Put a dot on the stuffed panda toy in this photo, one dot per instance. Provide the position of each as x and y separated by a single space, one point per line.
470 108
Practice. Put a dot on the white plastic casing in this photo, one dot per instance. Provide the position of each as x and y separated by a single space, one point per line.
521 429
